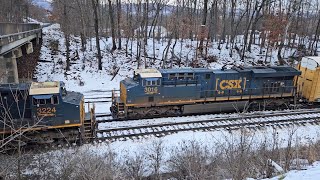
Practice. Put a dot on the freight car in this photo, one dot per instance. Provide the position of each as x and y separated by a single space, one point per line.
309 82
174 92
44 113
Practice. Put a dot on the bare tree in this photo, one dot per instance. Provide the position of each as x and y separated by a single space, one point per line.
114 46
95 5
155 154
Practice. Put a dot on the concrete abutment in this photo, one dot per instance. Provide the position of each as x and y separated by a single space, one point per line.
8 69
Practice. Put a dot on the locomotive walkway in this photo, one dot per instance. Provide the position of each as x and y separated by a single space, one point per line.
251 121
16 40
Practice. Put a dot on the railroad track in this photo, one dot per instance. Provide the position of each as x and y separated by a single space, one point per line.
297 117
101 119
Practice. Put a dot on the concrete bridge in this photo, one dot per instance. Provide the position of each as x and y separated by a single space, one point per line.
16 40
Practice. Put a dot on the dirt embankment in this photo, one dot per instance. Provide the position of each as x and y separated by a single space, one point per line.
27 64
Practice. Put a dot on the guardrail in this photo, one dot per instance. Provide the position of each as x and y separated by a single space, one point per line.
12 28
14 34
6 39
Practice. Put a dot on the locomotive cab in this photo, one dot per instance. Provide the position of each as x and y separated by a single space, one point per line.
52 104
142 89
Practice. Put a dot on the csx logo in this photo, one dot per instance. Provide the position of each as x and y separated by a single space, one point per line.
230 84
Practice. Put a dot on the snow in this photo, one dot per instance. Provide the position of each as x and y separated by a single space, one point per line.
85 77
312 173
276 166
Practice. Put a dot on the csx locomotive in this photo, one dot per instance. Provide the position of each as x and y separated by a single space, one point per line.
174 92
44 113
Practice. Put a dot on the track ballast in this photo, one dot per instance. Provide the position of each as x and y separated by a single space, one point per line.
251 121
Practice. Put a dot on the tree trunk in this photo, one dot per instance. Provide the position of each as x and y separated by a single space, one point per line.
315 40
203 25
95 4
114 46
118 18
67 38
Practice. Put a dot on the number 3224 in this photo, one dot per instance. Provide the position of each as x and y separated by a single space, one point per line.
46 111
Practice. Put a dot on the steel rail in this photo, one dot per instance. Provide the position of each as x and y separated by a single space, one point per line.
212 124
249 114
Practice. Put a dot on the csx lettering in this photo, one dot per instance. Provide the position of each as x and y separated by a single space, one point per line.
230 84
151 90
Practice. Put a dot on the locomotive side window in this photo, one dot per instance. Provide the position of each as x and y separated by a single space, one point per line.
181 76
172 76
190 76
55 100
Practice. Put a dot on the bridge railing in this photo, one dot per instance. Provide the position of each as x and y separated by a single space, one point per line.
14 35
13 28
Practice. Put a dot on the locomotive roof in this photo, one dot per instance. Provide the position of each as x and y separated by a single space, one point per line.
258 71
185 70
73 97
148 73
38 88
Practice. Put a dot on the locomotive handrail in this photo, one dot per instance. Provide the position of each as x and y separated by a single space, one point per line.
114 95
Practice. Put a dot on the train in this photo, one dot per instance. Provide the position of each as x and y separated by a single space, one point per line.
44 113
176 92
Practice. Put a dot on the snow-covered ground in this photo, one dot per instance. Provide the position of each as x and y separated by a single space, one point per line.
84 77
311 173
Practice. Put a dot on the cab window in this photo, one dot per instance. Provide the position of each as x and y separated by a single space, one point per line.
55 100
45 99
151 82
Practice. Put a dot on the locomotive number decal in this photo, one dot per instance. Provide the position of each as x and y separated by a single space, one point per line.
46 111
231 84
151 90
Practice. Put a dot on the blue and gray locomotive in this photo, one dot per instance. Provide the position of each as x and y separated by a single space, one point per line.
44 113
174 92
